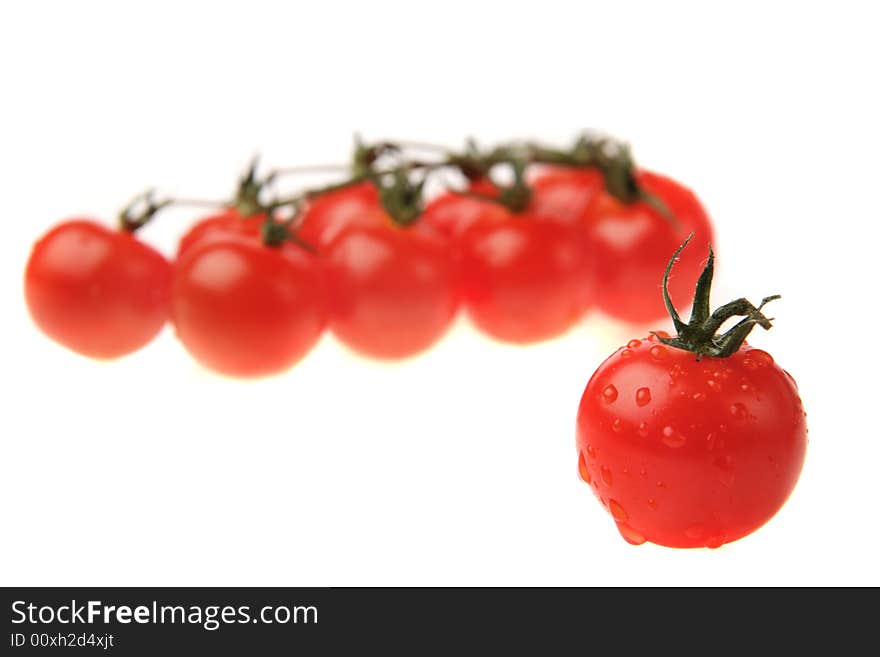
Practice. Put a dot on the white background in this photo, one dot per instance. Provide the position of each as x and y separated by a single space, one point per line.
457 467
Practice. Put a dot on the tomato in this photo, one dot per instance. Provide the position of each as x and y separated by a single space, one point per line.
565 194
525 279
228 220
559 194
327 215
696 440
393 290
453 214
632 242
245 309
100 292
688 453
526 276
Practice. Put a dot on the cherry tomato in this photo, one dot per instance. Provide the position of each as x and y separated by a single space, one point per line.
695 440
326 216
393 290
100 292
559 194
631 243
453 214
525 279
221 224
564 194
688 453
245 309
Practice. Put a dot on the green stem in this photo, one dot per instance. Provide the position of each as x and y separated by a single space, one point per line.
699 335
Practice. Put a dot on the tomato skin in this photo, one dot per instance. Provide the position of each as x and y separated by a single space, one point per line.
99 292
453 214
632 243
687 453
245 309
221 224
525 280
564 194
393 290
326 216
559 194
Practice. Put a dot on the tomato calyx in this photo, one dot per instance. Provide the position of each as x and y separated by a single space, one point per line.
141 210
274 233
247 201
515 197
699 334
401 197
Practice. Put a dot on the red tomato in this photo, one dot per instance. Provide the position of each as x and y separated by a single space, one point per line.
221 224
245 309
524 279
688 453
564 194
100 292
453 214
559 194
632 243
326 216
393 290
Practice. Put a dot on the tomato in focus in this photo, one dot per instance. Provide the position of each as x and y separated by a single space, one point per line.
687 453
245 309
99 292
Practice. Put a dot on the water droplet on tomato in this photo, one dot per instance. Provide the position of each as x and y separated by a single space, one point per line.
762 358
643 472
643 429
626 353
617 511
714 542
655 337
629 534
652 504
605 471
634 344
617 425
582 468
609 393
591 452
672 438
745 387
724 463
749 364
698 396
658 352
643 396
713 385
739 411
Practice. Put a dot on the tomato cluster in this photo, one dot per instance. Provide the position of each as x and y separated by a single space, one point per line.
688 441
244 304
